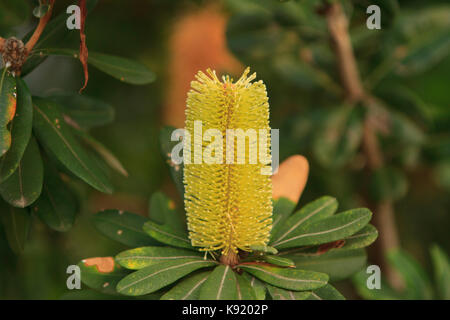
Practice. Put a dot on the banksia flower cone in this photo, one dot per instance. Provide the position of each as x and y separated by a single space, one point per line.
228 204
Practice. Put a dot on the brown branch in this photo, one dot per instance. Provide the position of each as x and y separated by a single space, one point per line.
40 28
384 214
338 27
2 44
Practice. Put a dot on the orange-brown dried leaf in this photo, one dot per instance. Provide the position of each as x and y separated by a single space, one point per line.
324 248
102 264
83 47
290 180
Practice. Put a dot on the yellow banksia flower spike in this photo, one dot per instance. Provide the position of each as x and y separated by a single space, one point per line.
228 204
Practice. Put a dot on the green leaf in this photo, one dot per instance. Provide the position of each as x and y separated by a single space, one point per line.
55 135
165 234
441 264
220 285
424 53
125 70
24 186
282 294
329 229
417 283
316 210
338 264
57 205
363 238
8 94
264 249
187 289
327 292
16 223
258 287
282 208
384 293
162 211
287 278
176 171
244 288
155 277
103 152
20 131
338 141
85 111
101 274
139 258
124 227
388 183
278 261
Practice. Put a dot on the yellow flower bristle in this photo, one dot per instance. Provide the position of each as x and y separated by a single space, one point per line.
228 205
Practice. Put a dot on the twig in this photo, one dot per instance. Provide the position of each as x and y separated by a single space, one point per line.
40 28
384 214
338 27
2 43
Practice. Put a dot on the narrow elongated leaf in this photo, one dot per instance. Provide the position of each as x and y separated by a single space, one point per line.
292 279
187 289
8 103
279 261
20 131
176 170
339 264
360 281
85 111
142 257
265 249
109 158
424 54
55 135
244 288
101 273
155 277
124 227
327 230
313 211
363 238
220 285
162 210
340 138
123 69
16 223
327 292
57 205
24 186
165 234
282 208
258 286
282 294
417 281
441 265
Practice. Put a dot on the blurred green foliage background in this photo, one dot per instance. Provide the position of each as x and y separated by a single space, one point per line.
275 39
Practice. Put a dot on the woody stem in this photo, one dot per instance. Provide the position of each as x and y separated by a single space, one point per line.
383 211
40 28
